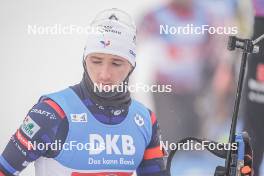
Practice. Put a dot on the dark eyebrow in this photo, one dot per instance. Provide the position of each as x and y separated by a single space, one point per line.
118 60
114 59
95 57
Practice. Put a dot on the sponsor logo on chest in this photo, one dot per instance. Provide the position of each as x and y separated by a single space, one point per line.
79 117
109 144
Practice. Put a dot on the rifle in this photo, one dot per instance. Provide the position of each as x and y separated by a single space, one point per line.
234 159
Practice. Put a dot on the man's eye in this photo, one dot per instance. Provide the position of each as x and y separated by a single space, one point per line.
116 64
96 62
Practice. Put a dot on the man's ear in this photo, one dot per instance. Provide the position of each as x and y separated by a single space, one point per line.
131 70
85 58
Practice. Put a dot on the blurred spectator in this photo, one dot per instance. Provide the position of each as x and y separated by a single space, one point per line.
200 69
198 66
181 60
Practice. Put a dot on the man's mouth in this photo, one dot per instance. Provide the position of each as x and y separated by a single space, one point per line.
106 84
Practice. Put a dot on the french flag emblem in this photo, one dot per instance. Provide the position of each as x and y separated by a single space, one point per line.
105 44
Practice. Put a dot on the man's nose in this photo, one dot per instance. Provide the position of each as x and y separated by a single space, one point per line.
105 73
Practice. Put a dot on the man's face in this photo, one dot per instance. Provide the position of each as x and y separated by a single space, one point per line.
107 69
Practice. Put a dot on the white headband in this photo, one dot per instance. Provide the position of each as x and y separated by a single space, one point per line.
112 37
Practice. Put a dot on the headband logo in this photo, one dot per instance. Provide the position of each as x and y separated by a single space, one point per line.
134 39
105 44
132 53
113 17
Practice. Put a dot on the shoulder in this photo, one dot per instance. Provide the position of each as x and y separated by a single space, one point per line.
53 106
44 122
46 114
49 108
139 106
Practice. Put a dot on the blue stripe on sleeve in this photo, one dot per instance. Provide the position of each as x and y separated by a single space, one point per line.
6 165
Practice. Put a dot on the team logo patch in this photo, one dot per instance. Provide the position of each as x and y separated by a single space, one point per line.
139 120
260 73
105 43
79 117
29 127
